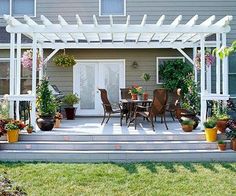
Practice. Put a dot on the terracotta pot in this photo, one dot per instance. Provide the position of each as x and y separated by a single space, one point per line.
57 123
222 147
187 128
145 96
29 130
45 123
180 112
233 144
134 96
221 125
211 134
13 136
70 113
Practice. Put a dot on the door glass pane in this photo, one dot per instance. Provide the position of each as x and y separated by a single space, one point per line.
22 7
4 7
4 86
111 79
87 86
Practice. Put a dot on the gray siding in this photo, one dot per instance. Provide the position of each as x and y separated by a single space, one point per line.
146 59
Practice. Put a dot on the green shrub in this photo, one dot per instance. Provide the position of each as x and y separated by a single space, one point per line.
210 123
71 99
187 122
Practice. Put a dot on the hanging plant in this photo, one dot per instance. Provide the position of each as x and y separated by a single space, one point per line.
27 60
209 59
64 60
225 51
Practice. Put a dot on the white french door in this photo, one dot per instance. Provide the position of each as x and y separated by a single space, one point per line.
90 75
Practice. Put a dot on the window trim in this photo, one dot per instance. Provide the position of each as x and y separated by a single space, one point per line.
164 58
32 16
105 15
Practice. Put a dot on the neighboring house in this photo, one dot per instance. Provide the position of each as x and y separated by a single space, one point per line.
109 62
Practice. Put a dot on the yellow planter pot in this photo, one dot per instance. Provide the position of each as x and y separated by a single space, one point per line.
13 135
211 134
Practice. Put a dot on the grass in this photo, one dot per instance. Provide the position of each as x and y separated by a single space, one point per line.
51 179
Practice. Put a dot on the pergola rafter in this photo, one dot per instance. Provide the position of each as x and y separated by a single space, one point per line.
175 35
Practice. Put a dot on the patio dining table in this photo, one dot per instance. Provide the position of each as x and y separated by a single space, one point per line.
130 105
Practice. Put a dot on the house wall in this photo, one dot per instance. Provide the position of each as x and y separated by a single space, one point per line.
146 59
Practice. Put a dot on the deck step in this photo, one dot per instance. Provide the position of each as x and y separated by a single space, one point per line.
117 156
109 145
53 136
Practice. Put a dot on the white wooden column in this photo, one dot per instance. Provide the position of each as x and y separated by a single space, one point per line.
41 71
12 73
203 81
34 71
208 78
218 65
225 68
18 74
195 67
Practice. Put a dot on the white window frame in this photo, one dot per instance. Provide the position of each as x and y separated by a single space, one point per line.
100 10
10 7
164 58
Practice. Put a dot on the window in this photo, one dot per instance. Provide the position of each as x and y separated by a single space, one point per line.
112 7
18 7
160 61
26 78
232 76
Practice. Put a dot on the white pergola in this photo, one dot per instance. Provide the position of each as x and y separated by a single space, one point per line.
61 35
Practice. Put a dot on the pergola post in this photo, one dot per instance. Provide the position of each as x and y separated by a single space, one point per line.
203 81
18 74
34 80
12 73
225 68
41 70
195 67
218 65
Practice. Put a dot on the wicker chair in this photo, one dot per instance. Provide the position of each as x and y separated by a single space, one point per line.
125 93
107 107
174 104
157 108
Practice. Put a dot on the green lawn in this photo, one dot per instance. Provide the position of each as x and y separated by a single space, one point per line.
123 179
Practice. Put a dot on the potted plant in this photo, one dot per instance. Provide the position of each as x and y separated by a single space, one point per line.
190 106
46 106
58 117
136 92
13 129
64 60
231 133
221 114
70 99
187 124
210 129
29 128
222 145
146 77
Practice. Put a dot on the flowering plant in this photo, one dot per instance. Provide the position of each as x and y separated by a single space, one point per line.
27 60
135 89
209 59
15 124
64 60
58 116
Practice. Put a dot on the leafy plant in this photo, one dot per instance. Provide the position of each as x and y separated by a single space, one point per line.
210 123
14 124
146 77
187 122
71 99
191 99
64 60
231 132
29 126
46 102
173 74
220 111
135 89
221 142
4 108
225 51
